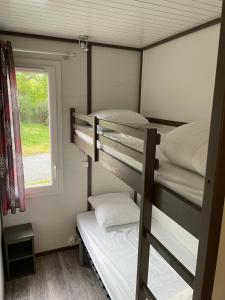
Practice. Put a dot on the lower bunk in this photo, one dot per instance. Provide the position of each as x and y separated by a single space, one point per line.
114 251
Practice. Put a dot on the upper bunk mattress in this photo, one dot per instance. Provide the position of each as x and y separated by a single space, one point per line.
114 253
186 183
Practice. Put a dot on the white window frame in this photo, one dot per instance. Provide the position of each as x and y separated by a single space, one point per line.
53 69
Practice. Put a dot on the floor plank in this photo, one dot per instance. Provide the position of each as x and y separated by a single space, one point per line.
59 277
38 287
18 289
54 276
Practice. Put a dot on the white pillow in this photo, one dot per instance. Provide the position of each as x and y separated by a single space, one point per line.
97 200
187 146
114 209
122 116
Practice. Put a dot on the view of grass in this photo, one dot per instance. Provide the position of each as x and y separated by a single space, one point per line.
33 97
35 138
33 101
39 182
33 104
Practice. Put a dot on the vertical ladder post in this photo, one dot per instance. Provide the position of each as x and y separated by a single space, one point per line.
95 139
151 139
72 124
89 110
214 191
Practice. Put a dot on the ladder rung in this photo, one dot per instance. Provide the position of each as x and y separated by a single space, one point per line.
148 294
187 276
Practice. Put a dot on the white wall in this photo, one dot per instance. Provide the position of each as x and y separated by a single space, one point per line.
1 267
219 286
115 75
115 84
53 217
177 84
104 181
178 77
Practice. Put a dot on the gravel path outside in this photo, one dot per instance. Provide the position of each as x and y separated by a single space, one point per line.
37 167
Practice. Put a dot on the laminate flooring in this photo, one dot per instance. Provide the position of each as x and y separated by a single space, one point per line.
59 277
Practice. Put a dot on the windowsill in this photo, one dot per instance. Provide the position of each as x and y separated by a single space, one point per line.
39 192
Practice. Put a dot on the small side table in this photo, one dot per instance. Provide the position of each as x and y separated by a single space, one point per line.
19 250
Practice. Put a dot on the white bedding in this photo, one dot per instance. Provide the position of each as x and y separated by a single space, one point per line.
114 253
188 184
187 146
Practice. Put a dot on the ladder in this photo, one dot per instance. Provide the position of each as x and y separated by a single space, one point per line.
213 200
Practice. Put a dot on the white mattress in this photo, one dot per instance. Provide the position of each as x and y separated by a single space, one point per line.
188 184
114 253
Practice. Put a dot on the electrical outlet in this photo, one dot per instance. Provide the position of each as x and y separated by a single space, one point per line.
72 240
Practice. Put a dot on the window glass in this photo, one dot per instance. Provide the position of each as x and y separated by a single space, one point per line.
33 96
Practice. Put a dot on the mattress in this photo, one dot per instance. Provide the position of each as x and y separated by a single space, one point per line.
188 184
114 252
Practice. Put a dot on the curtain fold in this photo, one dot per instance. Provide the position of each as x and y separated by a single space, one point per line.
12 192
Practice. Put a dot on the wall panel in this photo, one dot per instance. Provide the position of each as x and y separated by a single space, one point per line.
1 267
115 85
178 77
54 216
219 287
177 84
114 82
115 75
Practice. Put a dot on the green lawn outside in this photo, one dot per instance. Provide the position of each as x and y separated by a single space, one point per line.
39 182
35 138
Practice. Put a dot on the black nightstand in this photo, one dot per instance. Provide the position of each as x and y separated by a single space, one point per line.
19 250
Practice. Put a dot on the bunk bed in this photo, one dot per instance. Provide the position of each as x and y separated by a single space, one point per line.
139 173
112 252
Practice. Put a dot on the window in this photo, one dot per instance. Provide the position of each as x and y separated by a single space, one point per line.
40 122
33 99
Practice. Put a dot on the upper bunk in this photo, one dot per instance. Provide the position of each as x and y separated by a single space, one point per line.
121 149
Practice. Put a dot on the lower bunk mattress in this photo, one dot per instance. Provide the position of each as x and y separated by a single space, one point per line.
114 253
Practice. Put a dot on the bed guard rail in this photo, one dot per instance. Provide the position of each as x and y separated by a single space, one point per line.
77 121
141 182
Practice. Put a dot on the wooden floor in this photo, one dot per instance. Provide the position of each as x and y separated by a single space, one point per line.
58 277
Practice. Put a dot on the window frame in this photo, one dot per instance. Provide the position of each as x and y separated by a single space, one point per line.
53 69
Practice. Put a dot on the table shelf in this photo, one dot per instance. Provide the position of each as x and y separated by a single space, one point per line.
19 250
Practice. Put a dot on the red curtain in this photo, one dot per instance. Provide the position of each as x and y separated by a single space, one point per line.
12 192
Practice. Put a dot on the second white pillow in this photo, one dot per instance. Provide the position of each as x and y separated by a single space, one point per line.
187 146
115 209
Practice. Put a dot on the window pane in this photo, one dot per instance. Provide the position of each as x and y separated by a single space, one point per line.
34 121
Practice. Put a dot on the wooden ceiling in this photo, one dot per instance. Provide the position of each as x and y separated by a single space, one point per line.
134 23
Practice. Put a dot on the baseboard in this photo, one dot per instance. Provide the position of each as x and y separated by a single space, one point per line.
56 250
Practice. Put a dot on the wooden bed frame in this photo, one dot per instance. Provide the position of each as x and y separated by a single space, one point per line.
181 210
85 259
205 223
